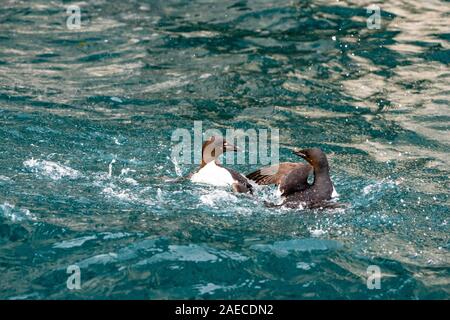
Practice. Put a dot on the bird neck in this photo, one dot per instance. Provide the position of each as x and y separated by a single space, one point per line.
206 160
321 175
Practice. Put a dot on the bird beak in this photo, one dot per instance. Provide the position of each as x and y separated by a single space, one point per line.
230 147
301 153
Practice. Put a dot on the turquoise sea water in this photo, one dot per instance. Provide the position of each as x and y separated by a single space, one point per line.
86 118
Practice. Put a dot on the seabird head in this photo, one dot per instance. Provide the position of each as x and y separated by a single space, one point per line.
314 156
214 147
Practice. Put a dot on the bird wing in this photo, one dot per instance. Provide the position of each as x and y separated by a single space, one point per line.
241 184
275 174
296 180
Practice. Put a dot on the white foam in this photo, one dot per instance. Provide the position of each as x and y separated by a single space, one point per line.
334 194
51 169
278 193
317 232
215 197
110 167
116 141
130 181
377 186
14 214
121 194
126 171
205 75
117 235
159 195
177 167
124 195
304 266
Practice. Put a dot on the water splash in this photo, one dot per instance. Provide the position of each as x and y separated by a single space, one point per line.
51 169
10 212
110 167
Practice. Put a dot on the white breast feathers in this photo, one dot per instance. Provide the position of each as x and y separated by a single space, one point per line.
214 175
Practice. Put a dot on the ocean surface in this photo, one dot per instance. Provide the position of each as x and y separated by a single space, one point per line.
87 116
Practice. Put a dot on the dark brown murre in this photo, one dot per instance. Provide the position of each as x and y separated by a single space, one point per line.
292 179
211 172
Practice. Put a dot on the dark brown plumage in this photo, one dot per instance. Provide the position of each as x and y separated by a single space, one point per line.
292 179
289 176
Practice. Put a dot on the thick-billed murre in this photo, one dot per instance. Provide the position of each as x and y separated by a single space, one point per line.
292 179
